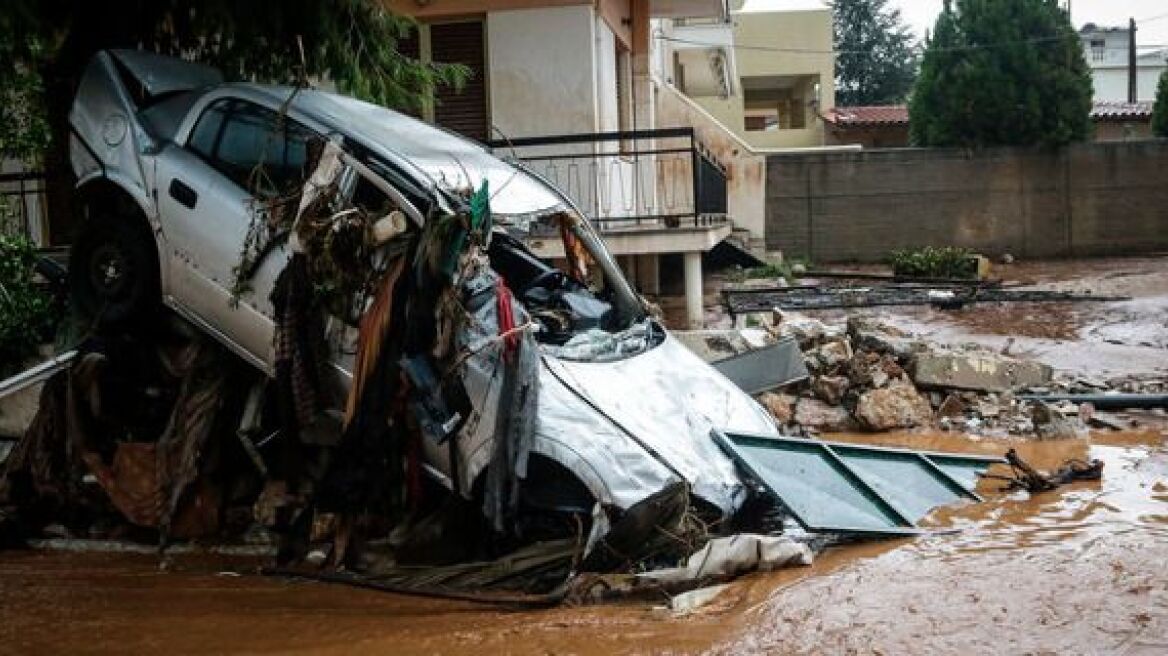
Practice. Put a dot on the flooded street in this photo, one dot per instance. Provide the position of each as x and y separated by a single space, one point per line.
1077 570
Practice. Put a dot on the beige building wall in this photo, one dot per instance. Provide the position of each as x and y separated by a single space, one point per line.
765 45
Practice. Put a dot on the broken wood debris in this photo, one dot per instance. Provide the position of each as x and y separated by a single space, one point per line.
741 300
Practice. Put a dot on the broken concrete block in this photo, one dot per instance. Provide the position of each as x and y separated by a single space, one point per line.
781 406
828 356
952 407
977 371
868 335
813 413
897 406
830 389
807 331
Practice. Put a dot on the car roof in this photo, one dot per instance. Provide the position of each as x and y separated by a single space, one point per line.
443 157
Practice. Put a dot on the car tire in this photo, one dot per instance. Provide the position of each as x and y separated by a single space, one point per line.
113 270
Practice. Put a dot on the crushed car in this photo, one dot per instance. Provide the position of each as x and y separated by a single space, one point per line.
248 210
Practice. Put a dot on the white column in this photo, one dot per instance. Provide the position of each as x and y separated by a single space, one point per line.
648 273
693 290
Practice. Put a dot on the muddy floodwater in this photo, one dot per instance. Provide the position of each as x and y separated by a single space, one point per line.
1078 570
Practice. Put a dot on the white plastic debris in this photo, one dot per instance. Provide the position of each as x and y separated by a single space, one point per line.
736 554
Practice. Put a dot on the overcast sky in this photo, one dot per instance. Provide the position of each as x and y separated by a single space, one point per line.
920 14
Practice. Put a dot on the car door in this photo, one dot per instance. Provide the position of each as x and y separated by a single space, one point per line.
237 156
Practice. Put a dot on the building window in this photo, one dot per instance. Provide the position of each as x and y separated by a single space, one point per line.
456 42
1098 50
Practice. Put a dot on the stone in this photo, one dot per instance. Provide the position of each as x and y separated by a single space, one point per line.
829 356
780 406
981 372
808 331
1049 423
813 413
830 389
952 406
868 335
897 406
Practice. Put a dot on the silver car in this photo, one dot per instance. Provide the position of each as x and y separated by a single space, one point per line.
163 148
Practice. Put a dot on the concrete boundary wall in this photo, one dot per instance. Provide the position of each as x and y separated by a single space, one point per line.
1086 199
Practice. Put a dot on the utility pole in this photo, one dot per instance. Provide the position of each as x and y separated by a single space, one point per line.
1131 61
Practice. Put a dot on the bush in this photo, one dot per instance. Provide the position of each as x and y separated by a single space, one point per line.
934 262
28 314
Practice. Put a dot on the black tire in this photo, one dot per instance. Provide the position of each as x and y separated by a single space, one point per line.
113 270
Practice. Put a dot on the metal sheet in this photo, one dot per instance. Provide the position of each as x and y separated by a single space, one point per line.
766 368
837 487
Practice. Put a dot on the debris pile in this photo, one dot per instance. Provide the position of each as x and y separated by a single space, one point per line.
869 376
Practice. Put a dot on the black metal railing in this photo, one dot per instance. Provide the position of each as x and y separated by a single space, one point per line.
630 180
22 204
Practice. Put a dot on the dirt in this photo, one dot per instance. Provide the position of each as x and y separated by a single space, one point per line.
1078 570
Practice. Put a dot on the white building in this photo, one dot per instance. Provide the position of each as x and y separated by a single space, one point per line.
1106 51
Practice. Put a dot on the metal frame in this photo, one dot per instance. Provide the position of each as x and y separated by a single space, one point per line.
835 454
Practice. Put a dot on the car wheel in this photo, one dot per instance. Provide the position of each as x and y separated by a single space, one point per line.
113 270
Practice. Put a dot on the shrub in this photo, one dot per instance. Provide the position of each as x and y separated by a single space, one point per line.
28 314
934 262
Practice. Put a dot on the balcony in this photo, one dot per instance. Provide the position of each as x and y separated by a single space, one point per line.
688 8
646 191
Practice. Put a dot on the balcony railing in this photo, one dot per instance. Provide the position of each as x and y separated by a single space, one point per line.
633 180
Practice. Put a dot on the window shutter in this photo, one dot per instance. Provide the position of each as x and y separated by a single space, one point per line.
463 111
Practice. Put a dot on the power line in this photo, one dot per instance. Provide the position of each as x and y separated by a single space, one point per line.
813 51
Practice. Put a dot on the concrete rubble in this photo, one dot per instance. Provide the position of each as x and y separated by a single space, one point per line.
870 376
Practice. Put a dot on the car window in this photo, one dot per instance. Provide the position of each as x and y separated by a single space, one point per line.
206 131
253 146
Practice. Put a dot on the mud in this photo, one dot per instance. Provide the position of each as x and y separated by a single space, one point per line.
1081 339
1077 570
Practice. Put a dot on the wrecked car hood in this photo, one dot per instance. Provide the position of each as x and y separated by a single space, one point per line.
629 428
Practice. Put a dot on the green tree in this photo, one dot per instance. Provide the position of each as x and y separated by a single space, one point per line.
1001 72
876 61
45 45
1160 111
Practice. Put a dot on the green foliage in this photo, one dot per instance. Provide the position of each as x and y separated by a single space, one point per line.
1002 72
877 61
1160 111
934 262
45 45
28 315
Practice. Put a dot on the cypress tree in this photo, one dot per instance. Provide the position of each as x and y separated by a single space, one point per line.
1002 72
1160 112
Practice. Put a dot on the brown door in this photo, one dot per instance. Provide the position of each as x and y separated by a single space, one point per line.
463 111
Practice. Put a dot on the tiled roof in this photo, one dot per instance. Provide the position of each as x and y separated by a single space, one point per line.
871 115
898 114
1104 110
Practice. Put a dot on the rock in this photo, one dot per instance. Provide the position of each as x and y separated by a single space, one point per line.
813 413
781 406
952 406
807 331
868 335
1051 424
829 356
830 389
977 371
896 406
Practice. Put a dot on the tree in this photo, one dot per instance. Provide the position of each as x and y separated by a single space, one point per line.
1160 111
46 44
876 61
1001 72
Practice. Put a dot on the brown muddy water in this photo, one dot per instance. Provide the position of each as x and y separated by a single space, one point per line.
1078 570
